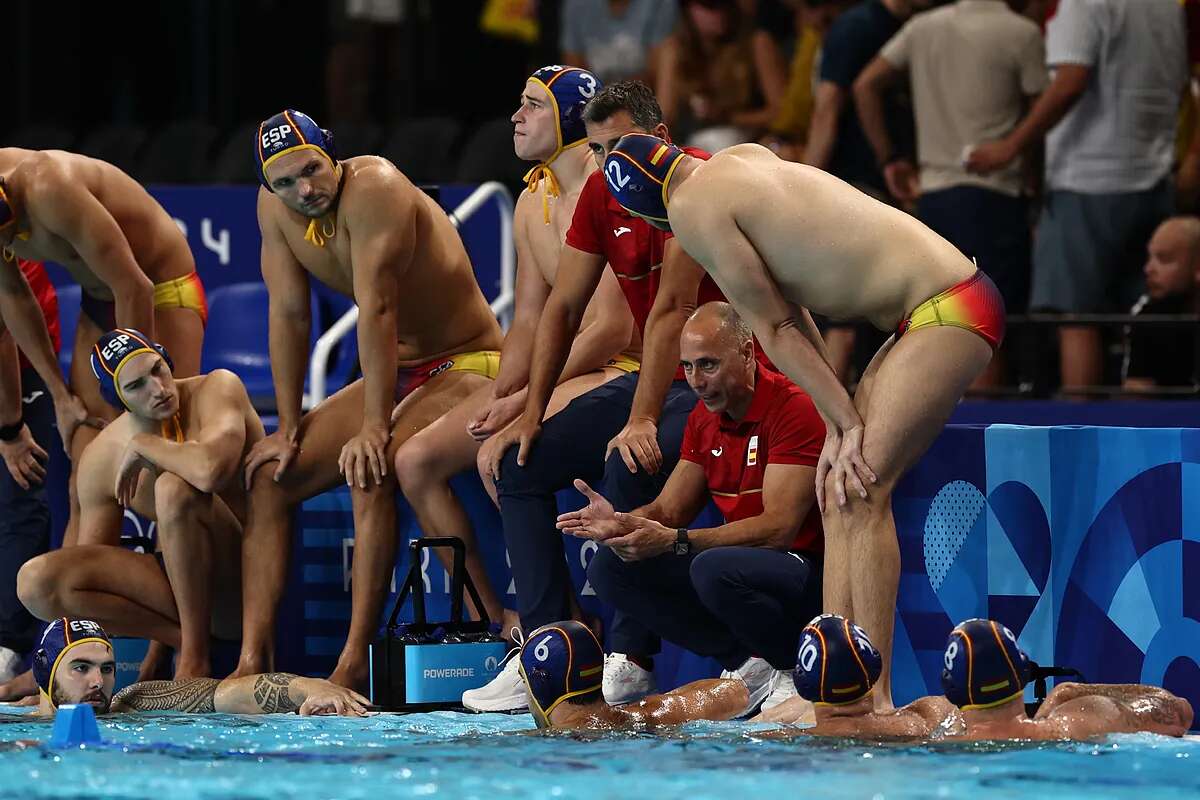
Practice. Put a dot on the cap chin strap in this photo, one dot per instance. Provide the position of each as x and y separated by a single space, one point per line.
543 174
328 228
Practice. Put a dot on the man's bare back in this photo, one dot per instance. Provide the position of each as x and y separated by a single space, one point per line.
819 238
65 199
439 309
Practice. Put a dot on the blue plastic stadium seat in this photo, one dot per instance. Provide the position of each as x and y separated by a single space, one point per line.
237 337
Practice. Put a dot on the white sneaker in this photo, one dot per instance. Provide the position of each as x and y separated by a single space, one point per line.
759 677
10 664
505 692
625 681
782 688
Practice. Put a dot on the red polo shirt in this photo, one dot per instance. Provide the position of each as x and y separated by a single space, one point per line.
781 426
47 298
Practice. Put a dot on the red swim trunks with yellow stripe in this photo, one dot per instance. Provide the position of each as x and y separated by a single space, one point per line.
974 304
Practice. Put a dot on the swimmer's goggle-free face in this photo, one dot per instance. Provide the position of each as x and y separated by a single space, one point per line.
535 124
148 387
85 673
306 180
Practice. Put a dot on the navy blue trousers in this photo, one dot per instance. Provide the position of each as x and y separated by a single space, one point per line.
728 603
572 446
24 520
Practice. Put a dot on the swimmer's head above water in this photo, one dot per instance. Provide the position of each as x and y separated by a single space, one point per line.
550 117
135 373
74 663
983 667
561 661
296 161
836 665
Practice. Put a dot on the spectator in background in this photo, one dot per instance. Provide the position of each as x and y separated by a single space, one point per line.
616 39
773 39
788 131
972 66
708 82
26 436
1111 110
836 142
1166 356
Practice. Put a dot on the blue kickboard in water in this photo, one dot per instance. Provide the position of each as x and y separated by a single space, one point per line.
75 725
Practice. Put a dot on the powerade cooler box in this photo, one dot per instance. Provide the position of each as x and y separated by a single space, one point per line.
425 666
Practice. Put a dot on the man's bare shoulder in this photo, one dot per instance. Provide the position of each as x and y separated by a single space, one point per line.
219 387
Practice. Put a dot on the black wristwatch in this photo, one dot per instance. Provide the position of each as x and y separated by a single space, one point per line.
683 545
10 432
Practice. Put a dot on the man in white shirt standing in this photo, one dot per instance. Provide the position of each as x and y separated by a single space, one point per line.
1120 67
974 66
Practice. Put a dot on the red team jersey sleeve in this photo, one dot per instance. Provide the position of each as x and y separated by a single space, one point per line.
797 431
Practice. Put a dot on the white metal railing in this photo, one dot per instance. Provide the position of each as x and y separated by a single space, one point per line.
502 306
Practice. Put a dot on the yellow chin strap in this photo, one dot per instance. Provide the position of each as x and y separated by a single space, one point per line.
326 231
544 175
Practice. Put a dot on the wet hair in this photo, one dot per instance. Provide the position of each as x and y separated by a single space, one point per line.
632 96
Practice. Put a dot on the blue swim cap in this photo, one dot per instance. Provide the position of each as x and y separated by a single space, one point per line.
638 171
836 664
983 666
570 90
288 131
560 660
59 637
112 352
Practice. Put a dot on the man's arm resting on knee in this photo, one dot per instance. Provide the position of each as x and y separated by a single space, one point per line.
70 210
608 331
675 301
578 274
381 254
742 275
211 460
289 316
530 296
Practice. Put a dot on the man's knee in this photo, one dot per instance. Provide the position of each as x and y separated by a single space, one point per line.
709 572
604 573
532 478
415 464
628 490
38 582
174 498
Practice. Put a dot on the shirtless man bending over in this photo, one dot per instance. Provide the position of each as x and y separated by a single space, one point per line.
780 238
174 457
985 673
130 258
549 130
426 338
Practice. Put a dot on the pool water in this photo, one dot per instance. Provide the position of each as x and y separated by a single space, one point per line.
181 757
